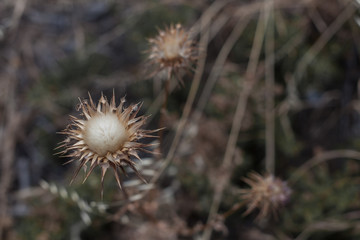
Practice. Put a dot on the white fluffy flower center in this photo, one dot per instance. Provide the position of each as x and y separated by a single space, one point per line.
105 133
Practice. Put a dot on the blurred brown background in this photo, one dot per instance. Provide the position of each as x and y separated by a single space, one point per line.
301 111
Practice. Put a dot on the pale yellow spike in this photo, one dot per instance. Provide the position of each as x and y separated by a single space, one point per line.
91 101
104 168
77 171
90 171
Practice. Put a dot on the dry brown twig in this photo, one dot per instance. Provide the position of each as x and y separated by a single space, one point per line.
321 158
330 225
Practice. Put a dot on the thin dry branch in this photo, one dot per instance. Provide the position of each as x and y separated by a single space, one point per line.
321 158
330 225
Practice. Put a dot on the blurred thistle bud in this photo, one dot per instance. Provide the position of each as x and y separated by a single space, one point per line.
171 51
266 193
107 136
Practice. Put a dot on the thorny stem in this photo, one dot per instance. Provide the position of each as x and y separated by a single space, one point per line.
163 111
157 104
232 210
167 90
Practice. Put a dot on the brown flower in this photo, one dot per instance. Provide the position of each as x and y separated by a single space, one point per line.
107 136
172 50
267 193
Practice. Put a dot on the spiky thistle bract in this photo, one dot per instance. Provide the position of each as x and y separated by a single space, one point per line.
106 136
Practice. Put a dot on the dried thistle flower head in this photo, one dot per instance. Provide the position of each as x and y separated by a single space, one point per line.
107 136
172 50
267 193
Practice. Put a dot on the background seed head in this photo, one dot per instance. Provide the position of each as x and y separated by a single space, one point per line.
172 50
266 193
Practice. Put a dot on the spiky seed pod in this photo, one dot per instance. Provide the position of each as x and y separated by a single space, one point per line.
267 193
172 50
106 136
